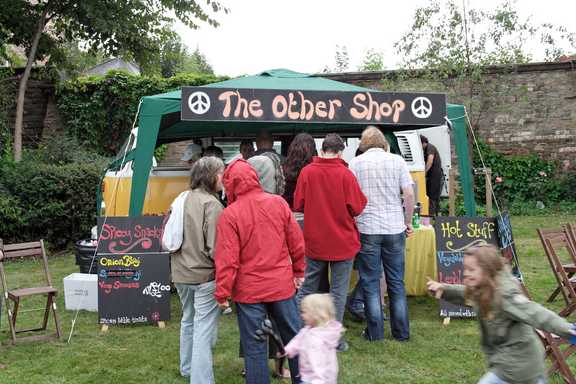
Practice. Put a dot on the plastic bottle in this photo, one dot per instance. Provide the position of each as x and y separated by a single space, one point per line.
416 216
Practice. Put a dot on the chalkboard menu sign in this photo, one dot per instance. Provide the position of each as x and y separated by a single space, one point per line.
453 236
141 234
506 242
133 273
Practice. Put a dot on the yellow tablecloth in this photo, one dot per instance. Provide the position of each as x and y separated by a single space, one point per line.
420 260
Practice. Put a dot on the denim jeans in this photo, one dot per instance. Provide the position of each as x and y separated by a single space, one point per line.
491 378
356 299
198 330
387 252
340 281
250 316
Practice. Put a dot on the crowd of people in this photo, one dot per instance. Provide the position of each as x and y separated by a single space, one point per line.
279 237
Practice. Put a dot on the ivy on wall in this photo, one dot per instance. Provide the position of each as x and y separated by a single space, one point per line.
99 111
524 178
7 89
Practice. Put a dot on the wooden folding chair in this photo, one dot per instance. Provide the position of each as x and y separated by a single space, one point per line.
557 350
571 232
20 251
552 241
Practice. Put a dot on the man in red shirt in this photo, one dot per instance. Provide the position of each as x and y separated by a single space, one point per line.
260 263
330 197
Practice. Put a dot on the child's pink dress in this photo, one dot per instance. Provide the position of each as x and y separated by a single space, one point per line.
316 348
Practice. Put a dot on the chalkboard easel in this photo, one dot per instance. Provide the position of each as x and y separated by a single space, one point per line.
133 272
453 236
104 327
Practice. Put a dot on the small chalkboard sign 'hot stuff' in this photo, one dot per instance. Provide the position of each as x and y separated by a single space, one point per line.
133 272
453 236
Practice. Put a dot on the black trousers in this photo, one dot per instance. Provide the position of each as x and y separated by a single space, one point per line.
434 182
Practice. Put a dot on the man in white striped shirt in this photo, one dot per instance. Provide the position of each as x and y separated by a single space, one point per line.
383 226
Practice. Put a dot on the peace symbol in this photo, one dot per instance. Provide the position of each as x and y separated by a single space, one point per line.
421 107
199 103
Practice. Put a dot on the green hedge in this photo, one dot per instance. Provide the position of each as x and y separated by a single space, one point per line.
99 111
49 195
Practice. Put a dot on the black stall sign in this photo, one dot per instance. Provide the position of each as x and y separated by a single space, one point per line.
453 236
133 288
133 274
303 106
506 242
119 235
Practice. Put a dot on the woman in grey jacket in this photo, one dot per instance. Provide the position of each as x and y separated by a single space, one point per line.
507 318
193 271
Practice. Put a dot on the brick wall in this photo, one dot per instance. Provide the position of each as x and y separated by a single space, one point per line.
38 96
517 110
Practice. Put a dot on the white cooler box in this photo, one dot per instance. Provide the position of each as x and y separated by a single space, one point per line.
81 292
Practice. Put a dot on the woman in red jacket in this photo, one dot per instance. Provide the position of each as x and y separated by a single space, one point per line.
259 264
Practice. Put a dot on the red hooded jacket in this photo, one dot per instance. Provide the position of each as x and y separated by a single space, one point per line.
330 197
259 245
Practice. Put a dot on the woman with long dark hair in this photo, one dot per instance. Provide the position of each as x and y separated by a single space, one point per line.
300 153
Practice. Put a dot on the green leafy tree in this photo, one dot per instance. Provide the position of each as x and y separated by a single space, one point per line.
341 60
134 26
13 57
197 63
175 59
372 61
74 60
172 56
447 40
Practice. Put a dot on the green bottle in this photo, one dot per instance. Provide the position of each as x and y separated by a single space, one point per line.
416 217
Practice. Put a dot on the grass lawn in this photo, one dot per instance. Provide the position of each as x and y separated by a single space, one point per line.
147 354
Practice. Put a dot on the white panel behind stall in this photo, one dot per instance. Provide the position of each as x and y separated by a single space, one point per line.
440 138
411 149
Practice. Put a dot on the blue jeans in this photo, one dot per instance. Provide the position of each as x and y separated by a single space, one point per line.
387 252
198 330
491 378
356 299
250 316
340 281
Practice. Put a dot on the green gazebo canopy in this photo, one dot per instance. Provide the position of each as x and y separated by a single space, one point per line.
159 122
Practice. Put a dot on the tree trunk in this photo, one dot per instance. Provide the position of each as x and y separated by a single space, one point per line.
24 84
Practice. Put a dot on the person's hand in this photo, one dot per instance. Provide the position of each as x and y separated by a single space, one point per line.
224 305
435 288
409 229
298 281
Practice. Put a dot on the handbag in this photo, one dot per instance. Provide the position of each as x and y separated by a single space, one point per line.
174 229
